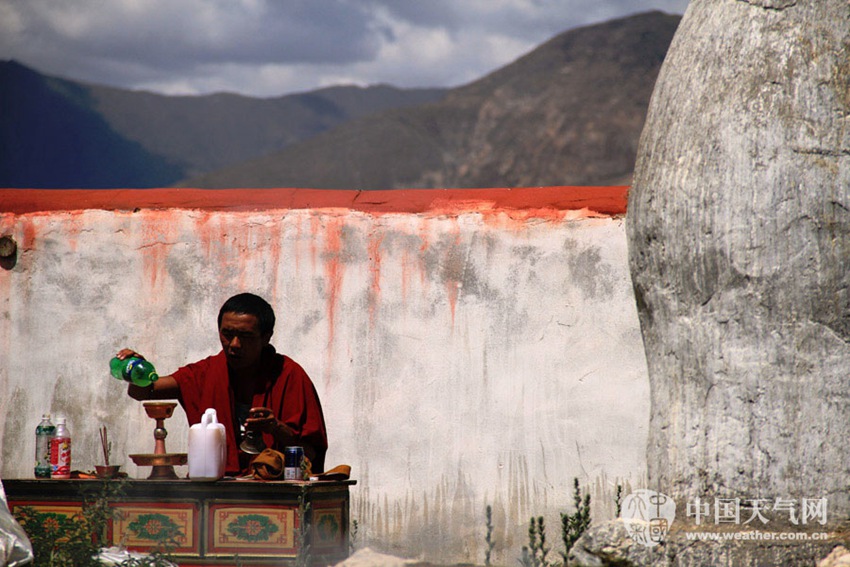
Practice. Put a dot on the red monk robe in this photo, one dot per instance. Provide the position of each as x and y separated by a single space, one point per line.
285 389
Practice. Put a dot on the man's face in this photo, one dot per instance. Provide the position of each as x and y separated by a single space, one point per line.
241 339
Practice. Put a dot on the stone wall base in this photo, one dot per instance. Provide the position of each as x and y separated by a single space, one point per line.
611 544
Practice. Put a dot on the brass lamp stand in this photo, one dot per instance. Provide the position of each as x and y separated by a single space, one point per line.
162 462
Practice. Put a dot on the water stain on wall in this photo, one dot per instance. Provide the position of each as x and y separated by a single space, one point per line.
15 436
334 273
590 273
375 252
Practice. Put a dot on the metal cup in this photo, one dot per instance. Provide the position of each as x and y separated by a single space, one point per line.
252 443
252 440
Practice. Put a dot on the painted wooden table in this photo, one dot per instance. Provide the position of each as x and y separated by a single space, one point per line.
227 522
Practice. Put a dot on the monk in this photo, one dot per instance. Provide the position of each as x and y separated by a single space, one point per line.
249 384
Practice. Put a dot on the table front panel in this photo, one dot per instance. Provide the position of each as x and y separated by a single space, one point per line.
252 530
149 526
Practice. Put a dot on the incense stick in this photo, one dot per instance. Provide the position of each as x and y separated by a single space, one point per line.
104 442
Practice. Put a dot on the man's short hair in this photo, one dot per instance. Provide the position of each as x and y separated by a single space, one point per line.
250 304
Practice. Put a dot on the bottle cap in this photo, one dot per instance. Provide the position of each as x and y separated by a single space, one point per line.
60 420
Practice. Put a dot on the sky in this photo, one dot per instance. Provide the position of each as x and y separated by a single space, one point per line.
268 48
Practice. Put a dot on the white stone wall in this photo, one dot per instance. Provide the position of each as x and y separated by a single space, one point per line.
462 359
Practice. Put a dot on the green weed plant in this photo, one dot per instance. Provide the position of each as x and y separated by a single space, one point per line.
536 553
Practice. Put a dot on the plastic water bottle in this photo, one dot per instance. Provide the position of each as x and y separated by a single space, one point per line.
207 448
44 432
60 451
136 370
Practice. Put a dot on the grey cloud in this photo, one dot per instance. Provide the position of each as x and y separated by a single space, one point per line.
199 32
267 47
526 19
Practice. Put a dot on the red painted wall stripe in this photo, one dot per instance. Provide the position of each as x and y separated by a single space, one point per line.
599 200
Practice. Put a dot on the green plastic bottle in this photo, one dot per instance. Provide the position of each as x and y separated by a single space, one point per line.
136 370
44 432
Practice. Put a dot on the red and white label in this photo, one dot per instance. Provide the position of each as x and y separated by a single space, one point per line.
60 457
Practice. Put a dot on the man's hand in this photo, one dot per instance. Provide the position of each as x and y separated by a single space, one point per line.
261 419
165 388
126 353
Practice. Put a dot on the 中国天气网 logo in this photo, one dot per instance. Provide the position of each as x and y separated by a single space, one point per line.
648 515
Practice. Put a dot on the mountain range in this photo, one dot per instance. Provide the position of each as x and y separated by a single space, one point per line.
570 112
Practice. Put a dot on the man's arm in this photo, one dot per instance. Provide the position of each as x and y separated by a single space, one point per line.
165 388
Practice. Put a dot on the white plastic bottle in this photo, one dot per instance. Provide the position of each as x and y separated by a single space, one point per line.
207 448
60 451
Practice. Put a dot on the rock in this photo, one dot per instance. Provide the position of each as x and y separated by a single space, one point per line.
366 557
839 557
609 544
739 239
